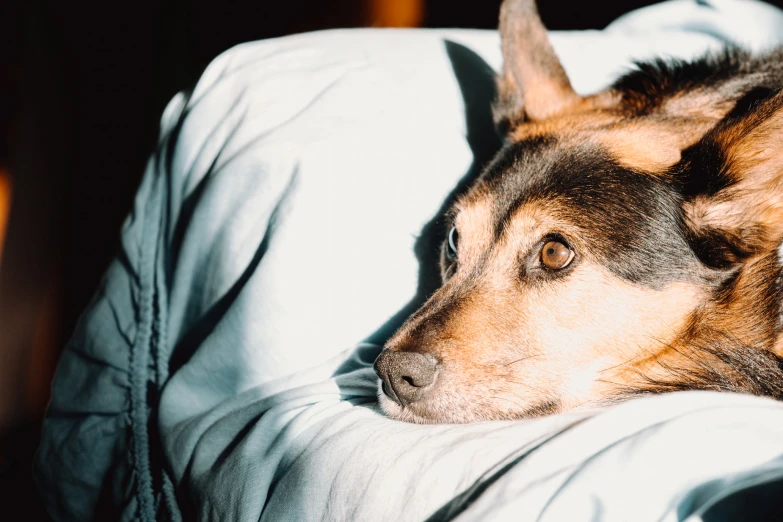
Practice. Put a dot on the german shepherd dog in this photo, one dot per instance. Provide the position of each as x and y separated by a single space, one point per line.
619 244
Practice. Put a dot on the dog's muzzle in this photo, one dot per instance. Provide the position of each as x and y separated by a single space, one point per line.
405 376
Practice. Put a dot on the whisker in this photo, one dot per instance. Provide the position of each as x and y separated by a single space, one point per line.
522 359
509 400
647 353
612 382
618 365
529 386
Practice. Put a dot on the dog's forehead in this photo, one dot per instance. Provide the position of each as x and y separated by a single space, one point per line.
650 144
630 221
535 183
547 174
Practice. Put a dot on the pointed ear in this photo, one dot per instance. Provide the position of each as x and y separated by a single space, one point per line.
738 171
533 85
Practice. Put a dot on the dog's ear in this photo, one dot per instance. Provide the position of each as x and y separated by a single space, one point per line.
735 177
533 85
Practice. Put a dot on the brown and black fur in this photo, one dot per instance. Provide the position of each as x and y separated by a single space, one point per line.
669 187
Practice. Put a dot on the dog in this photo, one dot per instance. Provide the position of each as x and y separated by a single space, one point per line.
619 244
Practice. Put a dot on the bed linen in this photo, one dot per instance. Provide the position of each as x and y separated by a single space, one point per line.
286 225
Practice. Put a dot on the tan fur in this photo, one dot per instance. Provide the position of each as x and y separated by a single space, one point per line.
650 144
473 216
754 148
736 313
642 148
705 105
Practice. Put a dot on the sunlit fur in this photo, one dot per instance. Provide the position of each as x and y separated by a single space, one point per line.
668 187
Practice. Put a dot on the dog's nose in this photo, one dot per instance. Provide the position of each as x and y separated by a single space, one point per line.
405 375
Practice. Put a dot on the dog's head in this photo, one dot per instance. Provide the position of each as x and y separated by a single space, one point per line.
610 236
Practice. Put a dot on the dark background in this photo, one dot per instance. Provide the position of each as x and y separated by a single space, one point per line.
82 86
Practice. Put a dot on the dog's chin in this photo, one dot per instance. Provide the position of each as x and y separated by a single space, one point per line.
418 413
450 410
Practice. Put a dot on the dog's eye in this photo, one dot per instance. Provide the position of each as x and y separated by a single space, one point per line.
555 255
451 253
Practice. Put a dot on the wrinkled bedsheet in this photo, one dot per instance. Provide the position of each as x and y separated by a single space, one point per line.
286 225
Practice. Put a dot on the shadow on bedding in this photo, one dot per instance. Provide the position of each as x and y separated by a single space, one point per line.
759 502
476 81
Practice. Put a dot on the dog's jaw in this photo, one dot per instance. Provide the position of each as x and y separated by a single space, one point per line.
429 413
449 409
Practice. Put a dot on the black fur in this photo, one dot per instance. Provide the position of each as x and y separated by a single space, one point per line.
653 82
